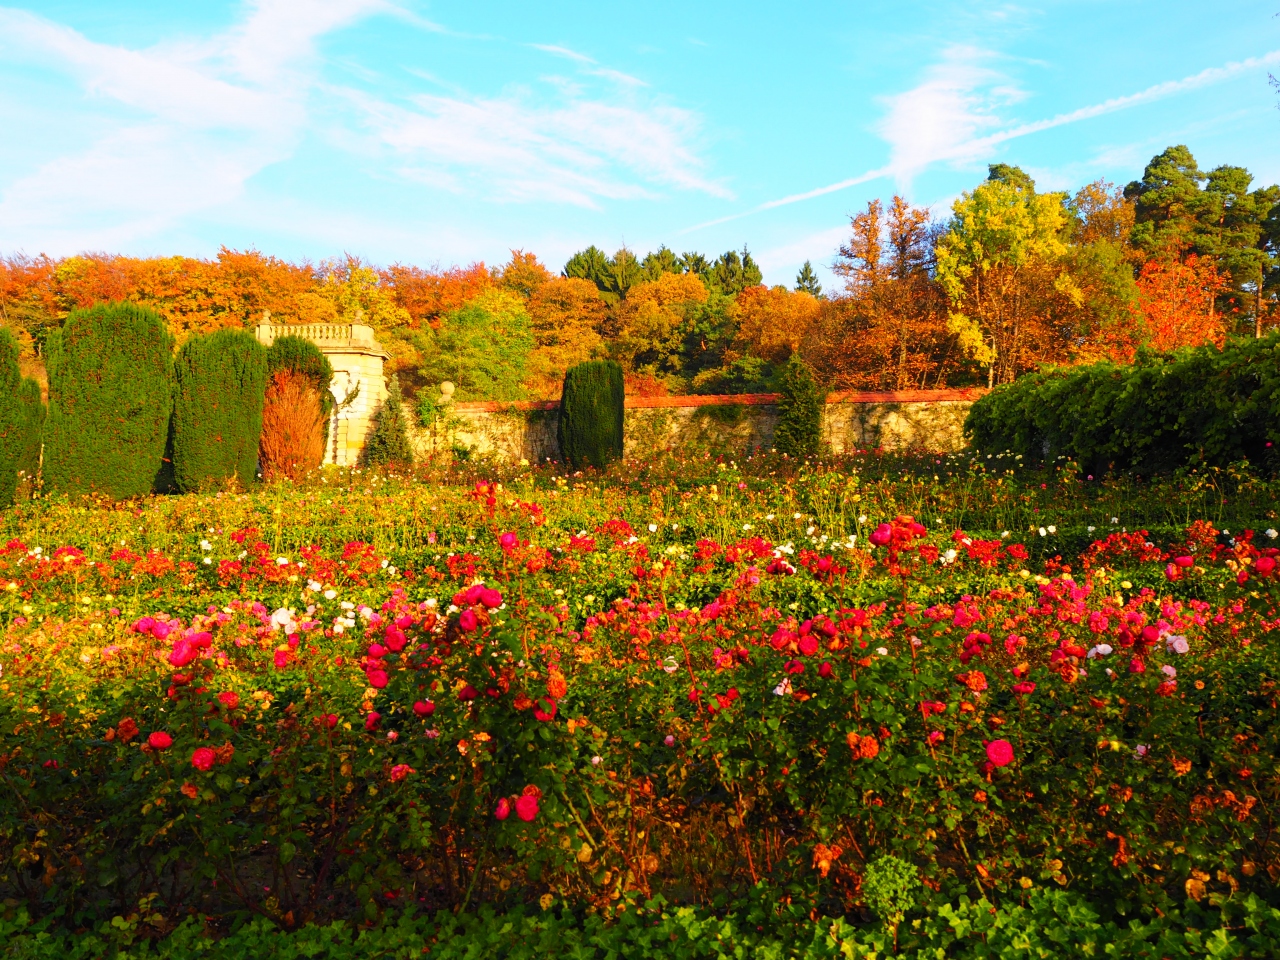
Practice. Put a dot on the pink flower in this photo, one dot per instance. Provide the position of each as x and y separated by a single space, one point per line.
467 620
371 721
1137 666
1000 753
1264 566
281 659
935 736
160 740
527 808
330 720
395 639
468 693
669 740
1183 562
202 758
808 645
377 678
509 541
824 671
503 809
882 534
400 771
491 598
424 708
1024 688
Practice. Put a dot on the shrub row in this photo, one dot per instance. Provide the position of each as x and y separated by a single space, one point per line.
1050 923
1192 407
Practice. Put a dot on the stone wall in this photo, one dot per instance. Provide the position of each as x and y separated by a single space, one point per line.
730 425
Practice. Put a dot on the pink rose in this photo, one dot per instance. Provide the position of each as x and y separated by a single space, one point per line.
503 809
424 708
527 808
1000 753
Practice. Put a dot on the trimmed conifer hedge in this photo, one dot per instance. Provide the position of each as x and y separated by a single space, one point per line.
110 400
1197 406
388 442
220 381
591 414
799 429
21 420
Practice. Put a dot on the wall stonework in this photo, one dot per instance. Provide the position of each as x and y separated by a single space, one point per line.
358 387
727 425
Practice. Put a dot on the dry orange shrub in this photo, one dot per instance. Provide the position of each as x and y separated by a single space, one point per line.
292 442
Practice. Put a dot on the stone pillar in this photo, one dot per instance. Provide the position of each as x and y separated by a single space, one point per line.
358 387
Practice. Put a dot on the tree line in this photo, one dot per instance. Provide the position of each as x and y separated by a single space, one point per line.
1011 279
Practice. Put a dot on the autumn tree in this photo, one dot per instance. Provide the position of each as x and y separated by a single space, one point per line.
428 294
523 274
1001 265
1174 305
567 314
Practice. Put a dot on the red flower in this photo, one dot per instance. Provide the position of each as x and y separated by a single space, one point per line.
330 720
202 759
527 808
503 809
424 708
160 740
824 671
467 620
468 693
491 598
544 708
395 638
1024 688
808 645
1264 566
371 721
1000 753
377 678
400 771
281 659
229 699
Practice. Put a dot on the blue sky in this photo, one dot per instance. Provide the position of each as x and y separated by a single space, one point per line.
402 130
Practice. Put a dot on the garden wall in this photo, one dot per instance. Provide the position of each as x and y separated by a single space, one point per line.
732 425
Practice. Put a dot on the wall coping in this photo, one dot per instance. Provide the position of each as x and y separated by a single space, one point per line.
735 399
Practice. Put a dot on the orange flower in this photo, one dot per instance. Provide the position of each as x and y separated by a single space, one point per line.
190 790
863 748
556 685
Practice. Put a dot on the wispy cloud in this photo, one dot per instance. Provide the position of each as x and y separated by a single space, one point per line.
941 119
590 66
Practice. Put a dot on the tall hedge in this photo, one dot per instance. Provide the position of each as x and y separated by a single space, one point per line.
387 444
302 356
21 420
800 408
110 399
220 382
591 413
1197 406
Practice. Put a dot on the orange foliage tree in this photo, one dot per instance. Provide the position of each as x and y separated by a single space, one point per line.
1175 305
774 321
428 294
567 314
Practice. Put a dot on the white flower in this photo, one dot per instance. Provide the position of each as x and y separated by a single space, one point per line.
746 526
883 651
1115 520
653 528
1168 671
313 585
769 516
949 556
1091 529
347 605
797 516
282 561
1176 644
384 564
208 561
1044 532
782 689
1052 528
1272 533
338 627
205 545
595 761
809 532
670 665
863 518
1004 534
1101 650
330 594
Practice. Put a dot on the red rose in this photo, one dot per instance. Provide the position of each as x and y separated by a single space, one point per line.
424 708
371 721
1000 753
503 809
229 699
527 808
467 620
160 740
544 709
202 759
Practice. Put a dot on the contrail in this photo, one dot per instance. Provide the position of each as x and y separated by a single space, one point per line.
1204 78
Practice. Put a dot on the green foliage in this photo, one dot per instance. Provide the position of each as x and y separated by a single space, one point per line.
591 414
388 442
482 348
1201 406
21 420
889 886
302 355
1050 923
110 400
807 281
220 382
800 410
731 273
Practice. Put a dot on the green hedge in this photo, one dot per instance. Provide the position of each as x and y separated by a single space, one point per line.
1047 923
388 442
1199 406
21 420
591 414
217 417
110 401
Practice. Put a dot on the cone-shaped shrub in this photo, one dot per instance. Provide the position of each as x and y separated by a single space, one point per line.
110 399
21 419
591 410
799 429
220 380
292 427
388 442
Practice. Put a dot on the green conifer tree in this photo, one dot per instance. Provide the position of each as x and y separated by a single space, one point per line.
110 401
800 408
388 442
591 414
220 382
21 420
